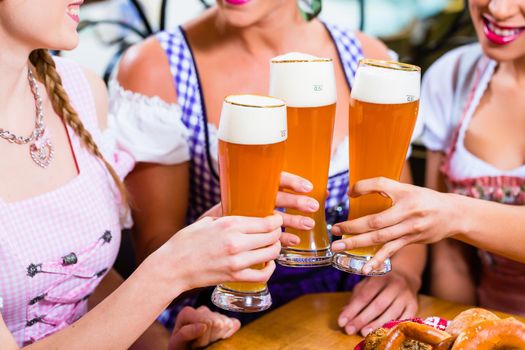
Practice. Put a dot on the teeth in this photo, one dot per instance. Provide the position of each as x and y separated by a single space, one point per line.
502 32
75 11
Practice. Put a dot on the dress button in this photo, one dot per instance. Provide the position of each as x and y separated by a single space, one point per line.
70 259
107 236
33 269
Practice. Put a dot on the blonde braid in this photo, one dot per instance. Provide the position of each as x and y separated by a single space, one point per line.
46 72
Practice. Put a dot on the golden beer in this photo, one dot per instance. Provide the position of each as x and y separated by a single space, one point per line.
380 135
307 84
252 134
249 176
383 112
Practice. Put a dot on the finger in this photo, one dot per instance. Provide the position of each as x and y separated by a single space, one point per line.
253 275
289 239
374 309
189 315
236 326
234 243
295 183
246 224
382 185
204 339
295 201
393 313
377 237
387 251
217 326
364 292
410 311
226 325
298 222
246 259
187 334
389 217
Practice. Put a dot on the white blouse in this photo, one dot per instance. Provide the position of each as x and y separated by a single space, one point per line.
150 129
439 123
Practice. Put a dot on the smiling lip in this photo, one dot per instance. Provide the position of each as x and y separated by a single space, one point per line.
500 35
237 2
73 11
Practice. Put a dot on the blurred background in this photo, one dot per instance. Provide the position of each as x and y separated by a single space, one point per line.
418 30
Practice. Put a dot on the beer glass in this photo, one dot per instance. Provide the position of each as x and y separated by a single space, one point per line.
252 134
307 84
383 111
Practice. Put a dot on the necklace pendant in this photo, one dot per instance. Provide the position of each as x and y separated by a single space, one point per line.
42 152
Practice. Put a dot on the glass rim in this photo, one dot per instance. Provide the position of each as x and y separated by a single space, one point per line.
282 104
394 65
313 60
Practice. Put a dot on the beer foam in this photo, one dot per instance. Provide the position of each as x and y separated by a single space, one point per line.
380 85
253 120
303 80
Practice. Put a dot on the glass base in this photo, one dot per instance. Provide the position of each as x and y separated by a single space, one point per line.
236 301
305 258
354 264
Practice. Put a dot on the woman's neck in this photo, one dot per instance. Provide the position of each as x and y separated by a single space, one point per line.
272 33
14 86
514 71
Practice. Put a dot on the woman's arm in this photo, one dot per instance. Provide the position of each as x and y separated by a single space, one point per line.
155 337
194 327
232 245
426 216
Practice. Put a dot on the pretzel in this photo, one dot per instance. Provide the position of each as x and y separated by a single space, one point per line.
422 333
469 318
492 335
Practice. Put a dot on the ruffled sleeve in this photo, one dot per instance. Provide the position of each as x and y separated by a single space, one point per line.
147 128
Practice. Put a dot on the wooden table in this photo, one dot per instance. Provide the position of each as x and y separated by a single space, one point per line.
309 323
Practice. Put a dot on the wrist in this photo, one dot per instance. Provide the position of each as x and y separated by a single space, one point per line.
458 209
413 280
163 270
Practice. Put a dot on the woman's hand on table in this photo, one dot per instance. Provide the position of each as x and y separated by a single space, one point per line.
417 215
285 199
377 300
197 328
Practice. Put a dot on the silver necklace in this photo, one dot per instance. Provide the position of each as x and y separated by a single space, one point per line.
40 148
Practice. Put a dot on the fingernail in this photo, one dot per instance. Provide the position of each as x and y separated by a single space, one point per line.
336 230
295 241
307 186
367 270
342 322
338 246
308 222
366 331
313 205
350 330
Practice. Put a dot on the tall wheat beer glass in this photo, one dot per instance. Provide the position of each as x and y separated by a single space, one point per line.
252 134
383 111
307 84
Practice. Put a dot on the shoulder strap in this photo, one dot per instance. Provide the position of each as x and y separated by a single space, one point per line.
465 79
79 92
182 69
348 48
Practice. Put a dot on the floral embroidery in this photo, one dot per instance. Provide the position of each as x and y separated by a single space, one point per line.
501 189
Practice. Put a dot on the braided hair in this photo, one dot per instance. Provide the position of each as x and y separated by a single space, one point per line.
48 75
